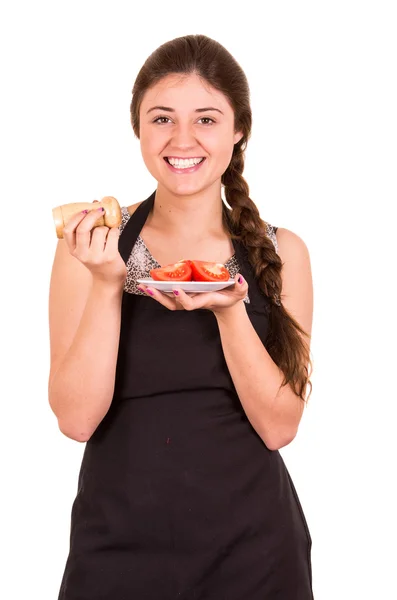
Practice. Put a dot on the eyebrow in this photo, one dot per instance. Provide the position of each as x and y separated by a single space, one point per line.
198 110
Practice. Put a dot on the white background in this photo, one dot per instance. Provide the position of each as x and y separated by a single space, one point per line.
321 162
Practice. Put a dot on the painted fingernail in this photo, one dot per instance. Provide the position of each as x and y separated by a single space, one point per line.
176 292
240 280
150 292
139 288
84 212
101 209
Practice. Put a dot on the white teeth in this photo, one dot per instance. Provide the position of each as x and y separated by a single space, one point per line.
184 163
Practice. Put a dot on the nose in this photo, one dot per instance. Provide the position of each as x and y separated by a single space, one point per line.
183 137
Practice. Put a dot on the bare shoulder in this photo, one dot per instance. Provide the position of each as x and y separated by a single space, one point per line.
296 274
290 243
132 208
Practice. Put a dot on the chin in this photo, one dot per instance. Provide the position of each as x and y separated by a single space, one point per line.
183 189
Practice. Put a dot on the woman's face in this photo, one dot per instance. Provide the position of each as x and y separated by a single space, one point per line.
173 125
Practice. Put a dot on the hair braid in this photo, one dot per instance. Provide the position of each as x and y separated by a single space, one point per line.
248 227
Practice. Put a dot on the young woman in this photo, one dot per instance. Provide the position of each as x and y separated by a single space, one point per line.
184 399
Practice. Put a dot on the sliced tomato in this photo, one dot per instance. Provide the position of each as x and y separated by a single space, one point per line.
209 271
180 271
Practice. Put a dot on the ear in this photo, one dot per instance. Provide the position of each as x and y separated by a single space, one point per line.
238 136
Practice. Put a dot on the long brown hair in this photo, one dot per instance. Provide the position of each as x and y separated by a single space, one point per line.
200 55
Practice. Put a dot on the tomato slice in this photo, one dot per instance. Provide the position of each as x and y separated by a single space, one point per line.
209 271
180 271
189 262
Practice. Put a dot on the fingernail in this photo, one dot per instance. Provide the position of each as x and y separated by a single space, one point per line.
150 292
101 209
84 212
139 288
176 292
240 280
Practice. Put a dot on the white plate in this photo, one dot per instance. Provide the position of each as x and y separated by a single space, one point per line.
187 286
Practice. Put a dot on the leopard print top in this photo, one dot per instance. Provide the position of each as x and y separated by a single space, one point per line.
141 262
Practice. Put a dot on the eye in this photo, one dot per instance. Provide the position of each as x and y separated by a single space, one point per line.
163 120
158 120
207 119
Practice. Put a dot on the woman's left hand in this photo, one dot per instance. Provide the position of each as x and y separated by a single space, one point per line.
215 301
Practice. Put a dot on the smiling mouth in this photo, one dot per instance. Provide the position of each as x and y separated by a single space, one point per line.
184 163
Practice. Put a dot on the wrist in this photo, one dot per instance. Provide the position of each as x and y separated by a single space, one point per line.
107 287
231 312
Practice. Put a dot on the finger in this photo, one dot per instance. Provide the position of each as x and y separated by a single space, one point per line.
99 237
112 242
84 230
75 219
69 231
157 295
172 295
241 286
70 228
192 302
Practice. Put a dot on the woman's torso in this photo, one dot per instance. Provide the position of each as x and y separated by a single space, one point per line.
175 476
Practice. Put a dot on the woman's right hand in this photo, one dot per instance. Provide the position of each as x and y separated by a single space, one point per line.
95 247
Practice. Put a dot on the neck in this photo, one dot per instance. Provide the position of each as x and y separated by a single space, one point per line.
194 216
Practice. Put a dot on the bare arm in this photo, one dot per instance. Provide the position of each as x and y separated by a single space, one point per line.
86 289
274 413
81 389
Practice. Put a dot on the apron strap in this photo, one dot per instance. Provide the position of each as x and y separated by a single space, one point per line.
134 226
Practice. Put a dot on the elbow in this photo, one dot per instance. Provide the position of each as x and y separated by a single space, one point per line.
282 429
77 434
73 429
275 442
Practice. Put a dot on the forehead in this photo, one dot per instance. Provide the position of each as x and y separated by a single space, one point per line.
186 92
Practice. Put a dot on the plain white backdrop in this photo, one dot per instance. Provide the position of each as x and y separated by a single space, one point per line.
321 162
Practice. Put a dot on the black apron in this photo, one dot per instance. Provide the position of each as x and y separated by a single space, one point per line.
178 497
